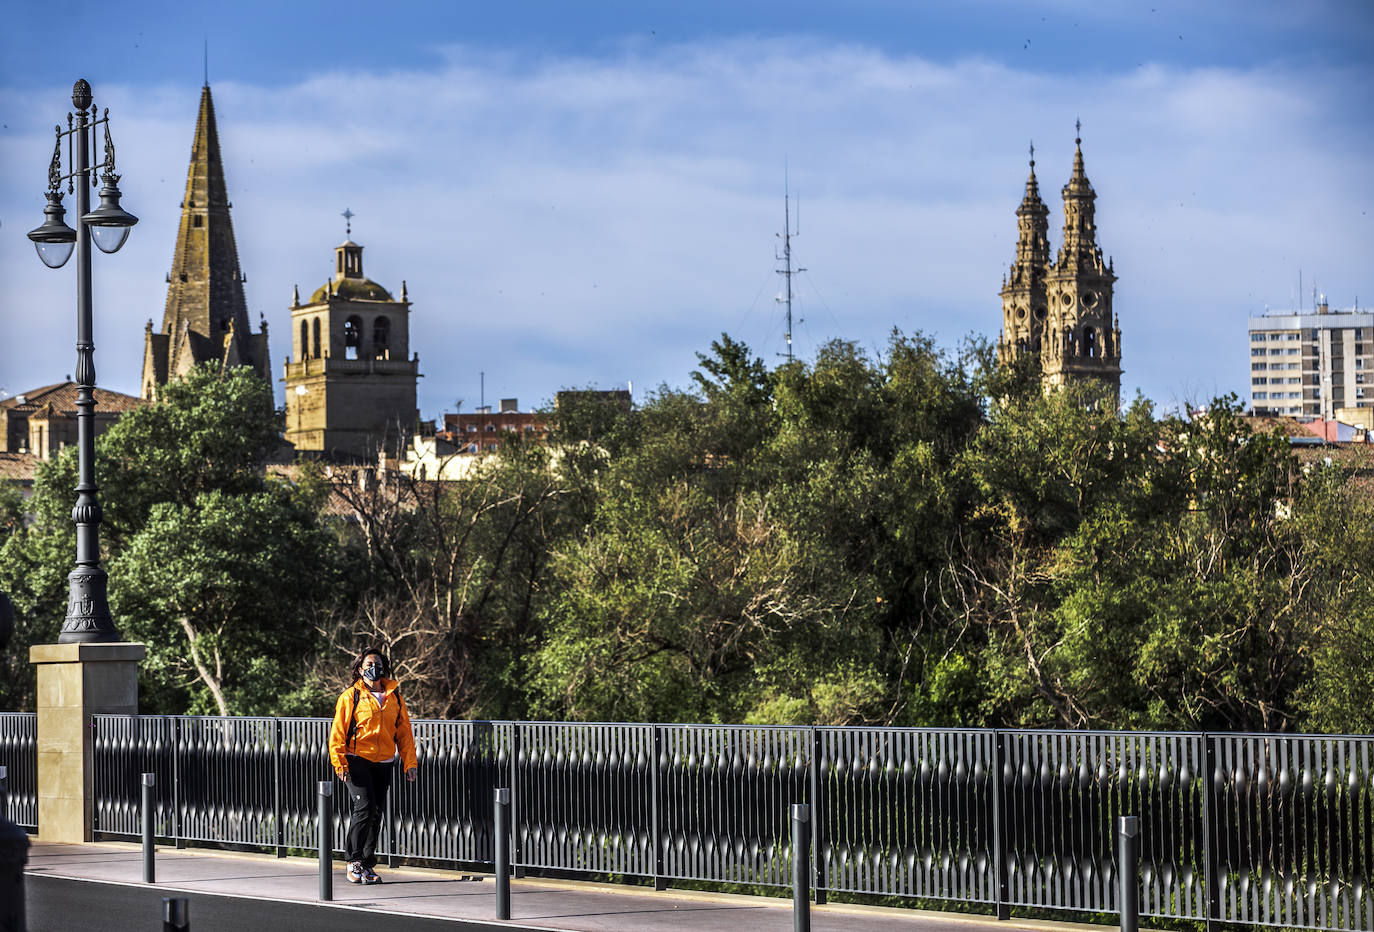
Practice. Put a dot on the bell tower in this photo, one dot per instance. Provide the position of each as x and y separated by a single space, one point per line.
1023 288
1084 339
350 388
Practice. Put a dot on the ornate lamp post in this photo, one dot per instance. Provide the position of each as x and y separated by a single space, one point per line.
88 610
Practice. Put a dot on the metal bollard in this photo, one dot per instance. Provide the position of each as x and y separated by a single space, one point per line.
149 811
4 793
502 829
176 914
1128 872
801 867
326 840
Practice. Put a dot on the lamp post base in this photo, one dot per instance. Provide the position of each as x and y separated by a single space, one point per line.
88 608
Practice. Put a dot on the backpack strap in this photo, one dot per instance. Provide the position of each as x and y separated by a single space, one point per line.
397 693
352 721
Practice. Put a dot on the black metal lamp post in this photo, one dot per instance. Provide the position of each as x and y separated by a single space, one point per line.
88 610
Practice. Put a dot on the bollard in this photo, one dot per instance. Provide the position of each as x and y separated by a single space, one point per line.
4 793
176 914
1128 871
149 811
502 830
801 867
326 840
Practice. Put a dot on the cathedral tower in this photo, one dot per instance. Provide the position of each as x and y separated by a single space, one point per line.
1023 289
206 317
350 390
1065 317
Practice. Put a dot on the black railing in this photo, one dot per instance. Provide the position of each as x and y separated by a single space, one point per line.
1260 829
19 757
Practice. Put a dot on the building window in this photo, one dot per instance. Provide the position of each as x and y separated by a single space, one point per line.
1257 352
304 351
1261 396
381 334
1259 381
1291 336
353 336
315 327
1292 351
197 221
491 428
1258 367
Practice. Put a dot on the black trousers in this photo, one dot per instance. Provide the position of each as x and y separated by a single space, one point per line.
368 784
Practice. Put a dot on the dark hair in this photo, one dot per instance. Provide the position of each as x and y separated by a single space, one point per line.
357 669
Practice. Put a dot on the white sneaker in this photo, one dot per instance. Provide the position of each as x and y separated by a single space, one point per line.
356 872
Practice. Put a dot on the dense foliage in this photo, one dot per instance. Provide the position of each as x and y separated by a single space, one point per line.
906 538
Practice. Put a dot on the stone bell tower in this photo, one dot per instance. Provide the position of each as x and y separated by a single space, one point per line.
1062 310
350 388
1023 288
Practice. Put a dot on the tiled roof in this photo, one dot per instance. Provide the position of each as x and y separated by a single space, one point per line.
62 397
18 467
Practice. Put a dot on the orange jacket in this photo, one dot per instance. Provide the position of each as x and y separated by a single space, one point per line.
379 734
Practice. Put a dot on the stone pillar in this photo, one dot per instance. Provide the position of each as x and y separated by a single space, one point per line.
74 682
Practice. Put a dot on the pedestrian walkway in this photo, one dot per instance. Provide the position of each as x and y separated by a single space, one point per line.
549 905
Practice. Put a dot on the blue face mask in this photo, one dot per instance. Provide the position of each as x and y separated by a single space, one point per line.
374 671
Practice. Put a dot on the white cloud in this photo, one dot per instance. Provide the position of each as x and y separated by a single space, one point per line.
575 221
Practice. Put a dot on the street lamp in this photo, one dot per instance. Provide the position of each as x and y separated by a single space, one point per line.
88 609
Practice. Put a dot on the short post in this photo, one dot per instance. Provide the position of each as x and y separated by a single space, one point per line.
502 832
4 793
801 867
1128 871
326 840
149 811
176 914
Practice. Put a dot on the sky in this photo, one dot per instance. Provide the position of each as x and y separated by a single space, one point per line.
589 194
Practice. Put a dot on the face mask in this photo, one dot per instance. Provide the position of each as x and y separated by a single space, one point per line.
374 671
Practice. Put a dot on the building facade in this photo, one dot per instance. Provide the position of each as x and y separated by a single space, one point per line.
206 316
1061 309
1312 365
350 388
42 422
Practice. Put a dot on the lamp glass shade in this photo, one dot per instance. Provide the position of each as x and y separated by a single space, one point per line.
109 223
54 255
54 240
107 238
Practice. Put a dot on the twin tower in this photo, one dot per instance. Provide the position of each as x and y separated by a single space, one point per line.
1061 310
351 387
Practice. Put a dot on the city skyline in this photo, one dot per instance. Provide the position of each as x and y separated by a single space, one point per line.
592 206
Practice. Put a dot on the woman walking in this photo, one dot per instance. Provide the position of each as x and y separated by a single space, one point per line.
371 729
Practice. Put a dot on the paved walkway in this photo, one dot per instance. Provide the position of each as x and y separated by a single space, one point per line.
551 906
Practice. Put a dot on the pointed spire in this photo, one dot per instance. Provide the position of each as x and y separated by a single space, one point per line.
1032 221
295 296
205 291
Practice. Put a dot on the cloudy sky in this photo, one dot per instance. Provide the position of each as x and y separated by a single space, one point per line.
588 194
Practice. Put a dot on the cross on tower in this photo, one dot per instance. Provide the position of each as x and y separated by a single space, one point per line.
348 216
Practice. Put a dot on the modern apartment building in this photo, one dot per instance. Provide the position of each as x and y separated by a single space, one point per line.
1311 365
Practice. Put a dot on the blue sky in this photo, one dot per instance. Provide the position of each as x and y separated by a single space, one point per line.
588 193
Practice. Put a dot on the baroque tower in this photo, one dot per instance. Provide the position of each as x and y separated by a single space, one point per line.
1062 311
350 390
206 316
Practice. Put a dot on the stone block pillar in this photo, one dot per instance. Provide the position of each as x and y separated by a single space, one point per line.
76 681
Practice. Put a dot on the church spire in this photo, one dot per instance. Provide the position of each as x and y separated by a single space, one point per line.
1032 221
1079 246
205 310
206 289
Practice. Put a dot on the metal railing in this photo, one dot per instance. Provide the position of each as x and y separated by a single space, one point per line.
19 756
1259 829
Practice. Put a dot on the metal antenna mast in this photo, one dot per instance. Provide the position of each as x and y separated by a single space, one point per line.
786 258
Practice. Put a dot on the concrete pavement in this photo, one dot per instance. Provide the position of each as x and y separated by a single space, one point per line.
428 895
